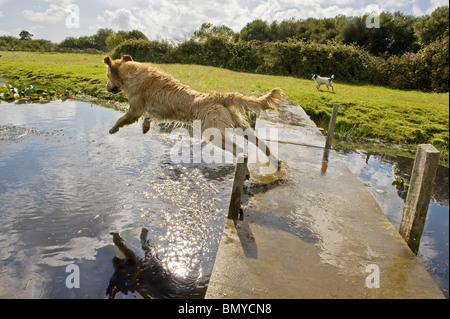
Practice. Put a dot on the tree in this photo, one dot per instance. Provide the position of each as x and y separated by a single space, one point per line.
399 34
355 31
136 34
209 31
100 38
255 30
395 35
25 35
113 40
285 30
430 28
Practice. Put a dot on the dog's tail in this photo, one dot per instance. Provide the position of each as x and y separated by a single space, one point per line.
270 101
332 77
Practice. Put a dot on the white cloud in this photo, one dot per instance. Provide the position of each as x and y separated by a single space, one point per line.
434 4
4 32
57 11
121 19
271 10
177 19
1 14
417 11
299 9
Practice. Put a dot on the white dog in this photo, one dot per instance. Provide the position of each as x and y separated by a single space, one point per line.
322 80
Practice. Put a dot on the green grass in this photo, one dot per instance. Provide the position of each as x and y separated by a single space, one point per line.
395 119
80 73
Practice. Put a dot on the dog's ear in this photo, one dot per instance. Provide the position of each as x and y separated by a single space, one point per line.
108 61
127 57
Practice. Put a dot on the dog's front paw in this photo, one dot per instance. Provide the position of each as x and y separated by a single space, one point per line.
113 130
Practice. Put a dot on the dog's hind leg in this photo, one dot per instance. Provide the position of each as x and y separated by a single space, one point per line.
330 83
229 144
251 137
226 143
215 122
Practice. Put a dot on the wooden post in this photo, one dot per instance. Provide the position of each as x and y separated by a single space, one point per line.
331 126
238 186
326 153
419 192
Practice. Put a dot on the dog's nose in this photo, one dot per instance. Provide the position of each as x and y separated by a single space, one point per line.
115 90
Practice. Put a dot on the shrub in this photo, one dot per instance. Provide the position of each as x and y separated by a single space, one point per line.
426 70
9 43
144 50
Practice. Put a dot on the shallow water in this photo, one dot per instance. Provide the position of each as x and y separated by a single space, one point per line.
378 172
66 183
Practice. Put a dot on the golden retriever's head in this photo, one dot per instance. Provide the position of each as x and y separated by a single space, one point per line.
115 84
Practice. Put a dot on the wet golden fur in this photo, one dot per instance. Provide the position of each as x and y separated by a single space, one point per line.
157 95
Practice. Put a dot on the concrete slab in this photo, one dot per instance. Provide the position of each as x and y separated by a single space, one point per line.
312 230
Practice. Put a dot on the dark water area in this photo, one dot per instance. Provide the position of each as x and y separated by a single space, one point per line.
378 172
66 184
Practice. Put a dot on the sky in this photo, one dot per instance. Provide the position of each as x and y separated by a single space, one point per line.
177 19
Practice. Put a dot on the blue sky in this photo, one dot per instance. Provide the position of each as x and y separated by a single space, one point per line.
177 19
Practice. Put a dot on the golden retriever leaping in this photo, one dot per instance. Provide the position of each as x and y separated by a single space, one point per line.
158 95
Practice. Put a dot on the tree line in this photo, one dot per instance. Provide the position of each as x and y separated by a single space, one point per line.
405 51
102 41
397 33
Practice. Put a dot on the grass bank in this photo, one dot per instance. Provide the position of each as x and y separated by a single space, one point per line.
393 120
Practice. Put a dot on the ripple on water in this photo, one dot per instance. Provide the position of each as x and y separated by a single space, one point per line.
11 132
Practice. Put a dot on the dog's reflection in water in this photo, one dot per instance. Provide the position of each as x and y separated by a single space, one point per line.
146 275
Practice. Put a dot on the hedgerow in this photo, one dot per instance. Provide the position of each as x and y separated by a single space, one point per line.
426 70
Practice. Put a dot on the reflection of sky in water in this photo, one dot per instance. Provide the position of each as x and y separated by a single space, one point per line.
378 172
67 183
